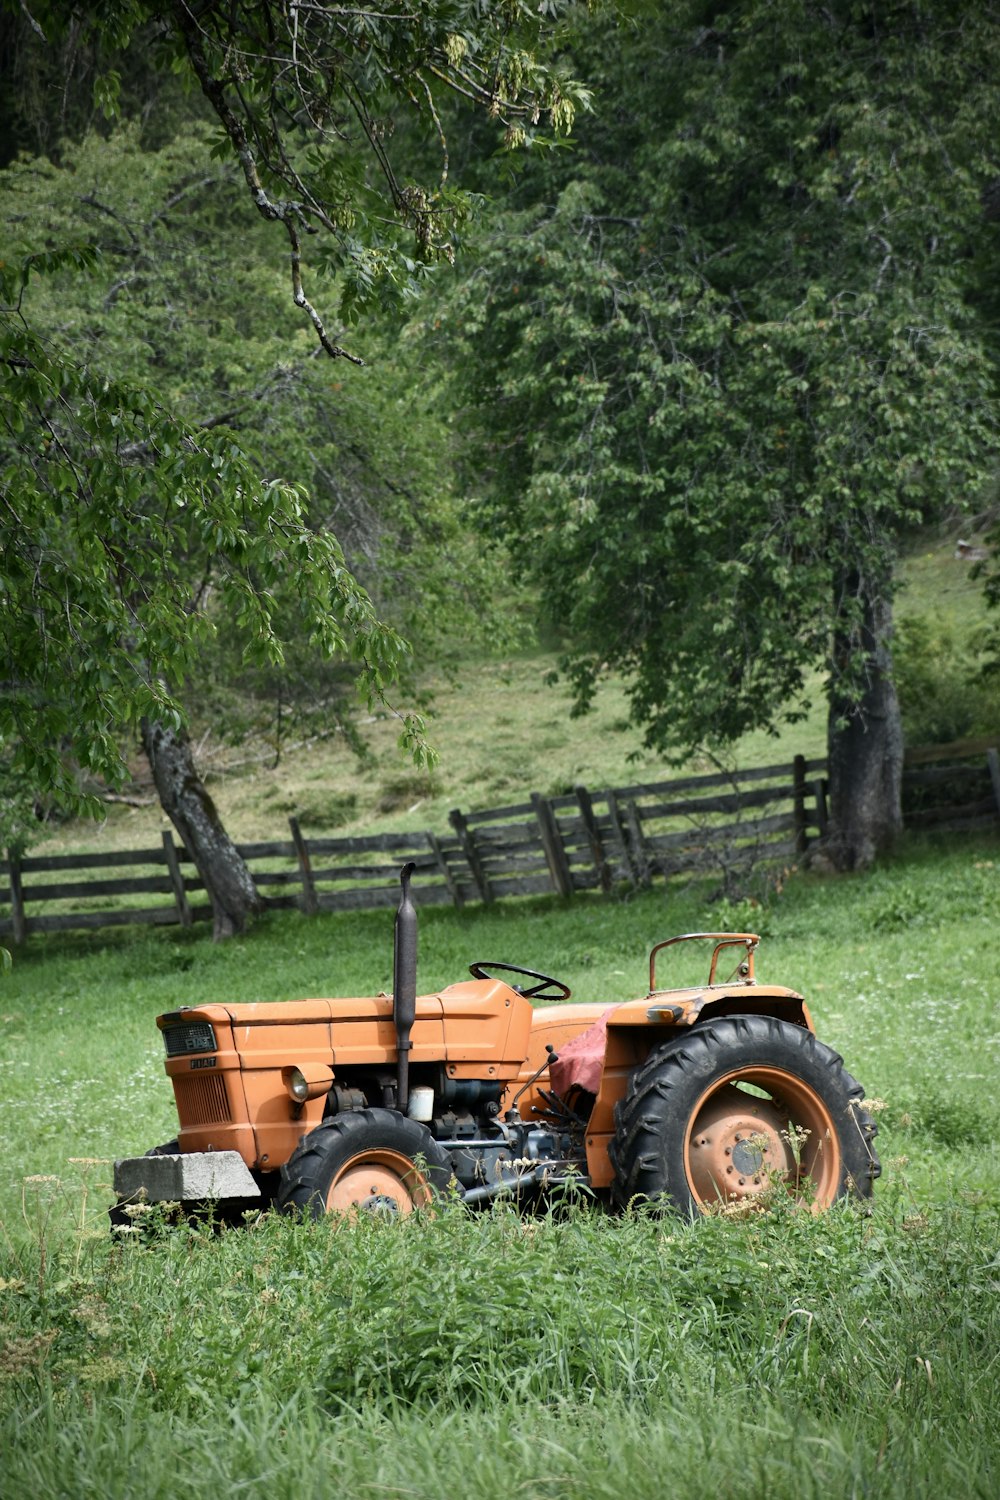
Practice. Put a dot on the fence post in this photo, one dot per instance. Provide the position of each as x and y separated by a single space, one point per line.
310 904
615 814
799 796
465 838
435 847
16 898
640 862
993 761
552 845
601 865
822 811
177 880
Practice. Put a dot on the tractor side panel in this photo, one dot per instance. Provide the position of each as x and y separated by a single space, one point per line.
486 1029
236 1098
363 1034
359 1035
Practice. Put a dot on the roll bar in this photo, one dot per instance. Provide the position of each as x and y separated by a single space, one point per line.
722 940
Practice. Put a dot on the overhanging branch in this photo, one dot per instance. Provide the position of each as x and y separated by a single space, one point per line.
290 213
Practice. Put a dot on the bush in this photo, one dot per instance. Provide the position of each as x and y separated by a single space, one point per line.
943 695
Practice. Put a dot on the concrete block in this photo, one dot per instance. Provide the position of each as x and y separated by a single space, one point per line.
177 1179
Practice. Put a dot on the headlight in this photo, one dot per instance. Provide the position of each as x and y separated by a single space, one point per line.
297 1084
310 1081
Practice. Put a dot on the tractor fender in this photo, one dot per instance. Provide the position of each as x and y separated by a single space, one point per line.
667 1009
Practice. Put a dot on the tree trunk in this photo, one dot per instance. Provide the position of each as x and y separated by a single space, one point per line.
865 748
186 802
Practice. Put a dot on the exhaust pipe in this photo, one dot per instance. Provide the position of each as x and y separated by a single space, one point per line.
404 985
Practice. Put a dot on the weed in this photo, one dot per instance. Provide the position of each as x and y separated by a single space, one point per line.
315 807
897 909
746 914
952 1121
406 792
942 692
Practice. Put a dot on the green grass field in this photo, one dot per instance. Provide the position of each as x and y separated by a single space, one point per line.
568 1355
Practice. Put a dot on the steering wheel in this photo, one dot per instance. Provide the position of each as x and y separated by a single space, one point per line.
547 988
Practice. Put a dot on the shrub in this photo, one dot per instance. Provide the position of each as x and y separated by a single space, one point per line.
939 678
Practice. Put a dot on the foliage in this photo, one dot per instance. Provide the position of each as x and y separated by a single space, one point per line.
60 83
732 351
20 824
130 522
943 694
180 288
989 570
121 520
309 103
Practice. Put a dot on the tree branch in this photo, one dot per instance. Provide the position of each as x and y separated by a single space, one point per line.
283 211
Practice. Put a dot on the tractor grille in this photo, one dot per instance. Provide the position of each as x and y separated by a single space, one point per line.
201 1099
195 1036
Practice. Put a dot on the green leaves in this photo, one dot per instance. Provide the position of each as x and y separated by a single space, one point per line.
14 279
128 534
310 103
713 384
182 294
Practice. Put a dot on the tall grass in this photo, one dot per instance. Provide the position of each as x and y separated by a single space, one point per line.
568 1354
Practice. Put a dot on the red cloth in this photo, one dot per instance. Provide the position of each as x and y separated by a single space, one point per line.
581 1060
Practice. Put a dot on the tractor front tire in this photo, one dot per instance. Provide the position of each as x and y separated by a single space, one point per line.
735 1109
368 1160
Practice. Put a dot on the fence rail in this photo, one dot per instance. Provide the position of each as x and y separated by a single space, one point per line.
583 840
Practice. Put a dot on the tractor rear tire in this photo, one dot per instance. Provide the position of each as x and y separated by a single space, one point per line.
368 1160
735 1109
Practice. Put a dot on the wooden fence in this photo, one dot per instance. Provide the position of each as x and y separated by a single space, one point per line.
725 823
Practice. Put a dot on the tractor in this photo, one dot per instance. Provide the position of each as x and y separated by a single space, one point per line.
692 1099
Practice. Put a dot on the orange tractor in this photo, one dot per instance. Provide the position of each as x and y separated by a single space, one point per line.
693 1098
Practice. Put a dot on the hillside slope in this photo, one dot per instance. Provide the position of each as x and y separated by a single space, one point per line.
502 730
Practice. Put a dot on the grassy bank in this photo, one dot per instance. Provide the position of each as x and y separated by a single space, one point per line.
571 1355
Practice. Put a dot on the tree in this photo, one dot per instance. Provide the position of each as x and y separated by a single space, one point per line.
111 499
110 504
310 98
733 358
57 83
185 286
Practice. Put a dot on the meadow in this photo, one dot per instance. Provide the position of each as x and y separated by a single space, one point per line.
566 1354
